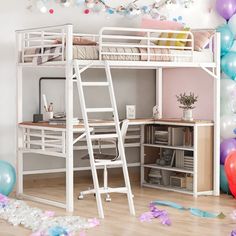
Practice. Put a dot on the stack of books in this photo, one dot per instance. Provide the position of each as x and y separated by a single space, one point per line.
62 121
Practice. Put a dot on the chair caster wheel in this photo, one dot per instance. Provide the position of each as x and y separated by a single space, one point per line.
81 197
108 198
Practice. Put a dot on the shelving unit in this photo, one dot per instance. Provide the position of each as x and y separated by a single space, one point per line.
167 168
201 151
184 148
174 189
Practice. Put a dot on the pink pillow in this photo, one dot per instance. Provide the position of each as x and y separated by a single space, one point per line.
79 41
201 39
160 25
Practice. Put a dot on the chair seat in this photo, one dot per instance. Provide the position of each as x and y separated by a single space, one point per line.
99 157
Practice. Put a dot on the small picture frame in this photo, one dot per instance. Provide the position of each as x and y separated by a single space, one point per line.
130 111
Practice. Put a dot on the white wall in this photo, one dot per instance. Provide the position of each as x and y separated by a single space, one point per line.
132 86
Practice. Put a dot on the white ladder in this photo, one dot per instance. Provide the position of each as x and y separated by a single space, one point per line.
108 83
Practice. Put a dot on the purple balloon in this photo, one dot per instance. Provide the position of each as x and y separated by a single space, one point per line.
227 146
226 8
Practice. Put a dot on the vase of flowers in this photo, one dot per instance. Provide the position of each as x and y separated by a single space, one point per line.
186 103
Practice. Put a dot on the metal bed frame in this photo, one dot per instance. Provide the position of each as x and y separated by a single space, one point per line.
108 36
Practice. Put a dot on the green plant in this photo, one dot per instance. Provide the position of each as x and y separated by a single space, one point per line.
187 101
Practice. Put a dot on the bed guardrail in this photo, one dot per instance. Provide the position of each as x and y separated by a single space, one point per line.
43 43
114 43
151 44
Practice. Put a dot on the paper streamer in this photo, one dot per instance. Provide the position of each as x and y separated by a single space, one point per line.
193 211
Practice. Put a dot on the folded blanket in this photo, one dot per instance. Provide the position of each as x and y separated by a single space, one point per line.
44 56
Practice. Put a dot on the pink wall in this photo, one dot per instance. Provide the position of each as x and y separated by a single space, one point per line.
177 81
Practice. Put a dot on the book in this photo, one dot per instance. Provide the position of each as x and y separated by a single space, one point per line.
179 159
62 121
177 136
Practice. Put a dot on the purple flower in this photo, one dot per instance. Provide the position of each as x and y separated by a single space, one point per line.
155 213
233 233
94 222
49 213
146 217
3 199
165 220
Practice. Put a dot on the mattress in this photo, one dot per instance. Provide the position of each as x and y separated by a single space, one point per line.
92 53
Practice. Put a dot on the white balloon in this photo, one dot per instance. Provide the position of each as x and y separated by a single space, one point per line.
224 76
227 89
232 24
228 126
225 107
40 5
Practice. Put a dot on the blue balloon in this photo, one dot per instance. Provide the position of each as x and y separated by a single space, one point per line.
228 64
227 38
224 186
7 178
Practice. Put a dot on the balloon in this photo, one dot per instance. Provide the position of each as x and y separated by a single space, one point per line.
79 2
226 39
230 170
41 6
227 89
233 48
232 24
226 147
228 126
226 8
7 178
227 106
224 186
228 64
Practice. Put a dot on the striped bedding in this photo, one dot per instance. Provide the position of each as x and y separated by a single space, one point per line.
92 53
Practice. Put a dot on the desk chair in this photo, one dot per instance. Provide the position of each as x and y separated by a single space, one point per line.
105 160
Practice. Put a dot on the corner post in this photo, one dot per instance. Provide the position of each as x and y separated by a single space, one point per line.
69 120
217 116
159 93
19 119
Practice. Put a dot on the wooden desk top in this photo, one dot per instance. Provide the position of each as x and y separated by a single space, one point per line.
141 121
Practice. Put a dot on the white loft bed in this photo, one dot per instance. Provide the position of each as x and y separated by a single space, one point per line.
142 58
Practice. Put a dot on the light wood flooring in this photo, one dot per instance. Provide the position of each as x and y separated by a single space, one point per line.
118 222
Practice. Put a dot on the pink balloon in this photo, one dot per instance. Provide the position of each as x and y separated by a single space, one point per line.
226 8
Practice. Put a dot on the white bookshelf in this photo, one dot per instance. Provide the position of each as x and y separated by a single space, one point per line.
168 188
197 156
168 168
184 148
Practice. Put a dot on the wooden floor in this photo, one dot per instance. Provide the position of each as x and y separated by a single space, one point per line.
118 222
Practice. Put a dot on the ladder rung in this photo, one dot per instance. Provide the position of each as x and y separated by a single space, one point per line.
99 110
108 162
90 84
103 136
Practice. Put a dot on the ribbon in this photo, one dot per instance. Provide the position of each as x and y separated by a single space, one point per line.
193 211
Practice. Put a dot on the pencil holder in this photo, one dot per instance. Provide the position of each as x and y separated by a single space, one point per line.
48 115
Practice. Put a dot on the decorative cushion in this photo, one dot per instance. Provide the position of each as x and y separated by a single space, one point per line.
201 39
162 25
179 43
80 41
152 35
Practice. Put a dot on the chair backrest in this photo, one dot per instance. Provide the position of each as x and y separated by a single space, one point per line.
124 127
